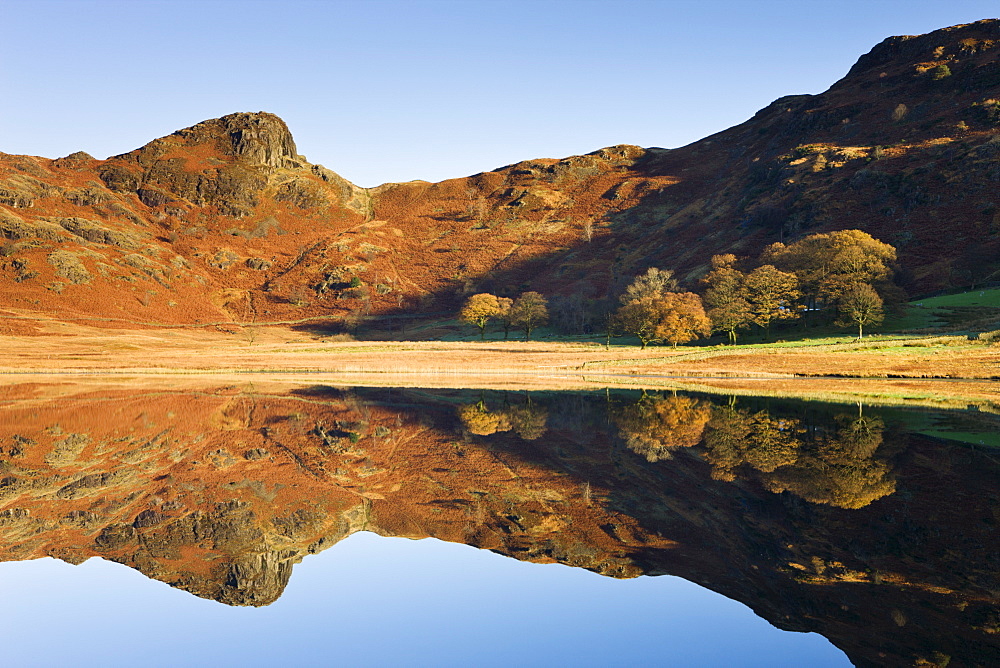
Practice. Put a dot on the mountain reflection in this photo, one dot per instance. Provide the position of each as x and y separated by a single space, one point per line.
850 521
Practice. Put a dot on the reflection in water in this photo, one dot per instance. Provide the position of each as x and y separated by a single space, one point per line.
821 518
526 418
838 462
653 427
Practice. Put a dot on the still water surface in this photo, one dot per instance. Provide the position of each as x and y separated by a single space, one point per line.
606 522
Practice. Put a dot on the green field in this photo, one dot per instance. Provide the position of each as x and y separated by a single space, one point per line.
949 310
972 427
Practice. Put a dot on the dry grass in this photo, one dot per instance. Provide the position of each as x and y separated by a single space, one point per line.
68 348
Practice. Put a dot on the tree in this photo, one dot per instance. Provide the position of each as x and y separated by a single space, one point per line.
654 283
478 310
656 426
682 318
480 420
528 420
504 304
725 299
829 264
528 312
942 71
677 317
860 306
639 317
772 295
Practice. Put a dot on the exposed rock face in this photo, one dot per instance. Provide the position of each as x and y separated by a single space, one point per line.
903 147
261 139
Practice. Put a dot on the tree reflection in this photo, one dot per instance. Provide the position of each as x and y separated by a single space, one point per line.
840 467
528 420
656 426
478 419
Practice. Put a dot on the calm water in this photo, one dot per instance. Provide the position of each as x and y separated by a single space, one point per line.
612 527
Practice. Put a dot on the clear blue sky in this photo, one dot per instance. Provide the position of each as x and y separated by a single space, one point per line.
397 90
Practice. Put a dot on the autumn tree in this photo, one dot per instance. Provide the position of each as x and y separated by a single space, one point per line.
504 305
640 318
478 310
682 318
654 283
735 437
860 305
725 299
480 420
828 265
675 317
772 295
529 311
527 420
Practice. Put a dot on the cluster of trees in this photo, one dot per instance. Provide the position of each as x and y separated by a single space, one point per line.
847 274
654 312
838 459
840 462
526 313
842 277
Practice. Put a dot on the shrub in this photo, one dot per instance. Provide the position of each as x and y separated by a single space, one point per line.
940 72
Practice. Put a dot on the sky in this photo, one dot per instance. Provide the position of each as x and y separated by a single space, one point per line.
396 90
372 601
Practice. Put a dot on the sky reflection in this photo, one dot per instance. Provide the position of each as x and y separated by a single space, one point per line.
373 601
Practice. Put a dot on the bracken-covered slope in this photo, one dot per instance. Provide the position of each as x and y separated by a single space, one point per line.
226 222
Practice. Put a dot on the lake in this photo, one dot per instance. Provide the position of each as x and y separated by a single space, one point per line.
252 523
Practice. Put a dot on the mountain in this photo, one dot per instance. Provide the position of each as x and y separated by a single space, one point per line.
225 222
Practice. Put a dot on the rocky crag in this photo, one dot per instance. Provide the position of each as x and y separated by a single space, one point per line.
226 222
818 518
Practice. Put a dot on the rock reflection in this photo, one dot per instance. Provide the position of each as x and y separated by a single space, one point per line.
821 518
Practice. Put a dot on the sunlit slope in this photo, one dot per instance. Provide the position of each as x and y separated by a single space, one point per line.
226 222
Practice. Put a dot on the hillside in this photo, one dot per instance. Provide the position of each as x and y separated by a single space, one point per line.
226 222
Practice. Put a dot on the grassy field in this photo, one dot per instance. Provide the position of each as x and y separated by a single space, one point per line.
949 311
883 369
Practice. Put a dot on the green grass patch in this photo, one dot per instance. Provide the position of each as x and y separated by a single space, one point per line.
949 310
980 428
